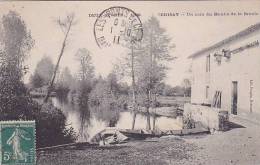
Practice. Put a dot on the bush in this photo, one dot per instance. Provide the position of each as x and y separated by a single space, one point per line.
50 121
50 127
188 122
62 91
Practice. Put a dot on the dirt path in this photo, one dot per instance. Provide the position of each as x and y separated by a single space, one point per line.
238 146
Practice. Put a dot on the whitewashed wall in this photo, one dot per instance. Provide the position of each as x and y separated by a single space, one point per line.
242 67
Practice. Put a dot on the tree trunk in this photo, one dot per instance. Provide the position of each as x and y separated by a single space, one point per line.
58 62
133 85
148 126
154 118
133 123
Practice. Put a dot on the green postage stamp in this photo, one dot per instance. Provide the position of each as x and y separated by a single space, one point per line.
17 140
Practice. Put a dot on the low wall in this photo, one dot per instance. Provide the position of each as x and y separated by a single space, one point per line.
211 118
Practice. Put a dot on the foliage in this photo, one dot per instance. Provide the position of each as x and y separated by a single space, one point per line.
16 103
15 44
50 127
150 59
64 83
65 78
86 68
86 75
43 72
147 62
36 81
108 98
109 93
155 51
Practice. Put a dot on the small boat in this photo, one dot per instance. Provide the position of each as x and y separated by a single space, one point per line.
139 134
112 135
109 135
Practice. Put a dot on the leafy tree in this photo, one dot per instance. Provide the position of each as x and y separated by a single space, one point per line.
147 63
84 86
168 91
156 46
43 72
51 126
66 78
64 83
85 75
15 101
152 56
16 43
99 93
113 85
36 81
109 93
86 68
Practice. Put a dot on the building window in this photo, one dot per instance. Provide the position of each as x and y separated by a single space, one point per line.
251 95
208 63
207 92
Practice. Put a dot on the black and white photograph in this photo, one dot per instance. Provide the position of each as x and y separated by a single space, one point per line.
130 82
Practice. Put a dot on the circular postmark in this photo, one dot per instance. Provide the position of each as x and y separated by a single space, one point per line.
117 25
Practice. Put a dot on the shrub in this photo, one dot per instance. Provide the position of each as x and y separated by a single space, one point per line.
50 121
51 127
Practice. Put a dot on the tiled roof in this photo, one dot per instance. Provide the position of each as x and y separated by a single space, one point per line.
228 40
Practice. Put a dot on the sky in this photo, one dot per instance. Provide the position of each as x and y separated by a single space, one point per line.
188 33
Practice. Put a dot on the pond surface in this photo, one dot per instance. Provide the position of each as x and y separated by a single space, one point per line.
88 121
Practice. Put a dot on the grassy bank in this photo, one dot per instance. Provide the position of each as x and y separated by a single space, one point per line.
168 150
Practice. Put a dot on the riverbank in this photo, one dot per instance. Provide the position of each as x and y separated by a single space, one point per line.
239 146
151 151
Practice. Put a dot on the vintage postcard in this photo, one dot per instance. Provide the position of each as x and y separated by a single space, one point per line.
130 82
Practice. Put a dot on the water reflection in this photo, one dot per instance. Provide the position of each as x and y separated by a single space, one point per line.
156 122
88 121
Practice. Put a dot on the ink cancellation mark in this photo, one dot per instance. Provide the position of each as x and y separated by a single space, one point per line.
17 141
117 25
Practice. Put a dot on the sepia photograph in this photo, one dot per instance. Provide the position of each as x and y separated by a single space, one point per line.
130 82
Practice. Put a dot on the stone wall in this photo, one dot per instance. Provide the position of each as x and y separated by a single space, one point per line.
211 118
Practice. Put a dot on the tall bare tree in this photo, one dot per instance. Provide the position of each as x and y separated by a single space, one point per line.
65 25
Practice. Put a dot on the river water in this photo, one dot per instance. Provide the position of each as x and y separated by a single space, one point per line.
87 121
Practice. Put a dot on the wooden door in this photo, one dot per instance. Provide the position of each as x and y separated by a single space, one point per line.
234 98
